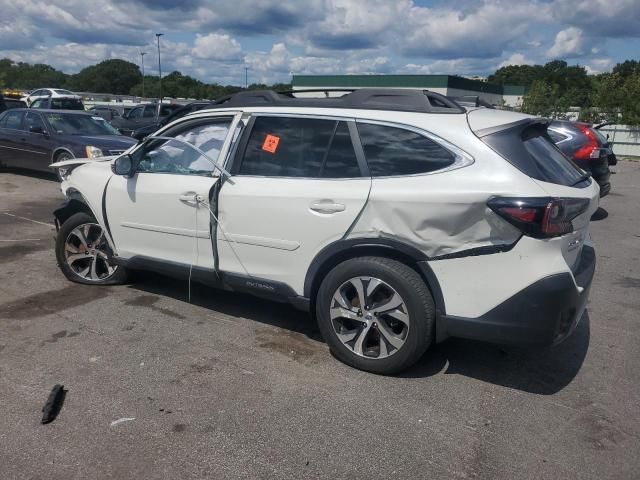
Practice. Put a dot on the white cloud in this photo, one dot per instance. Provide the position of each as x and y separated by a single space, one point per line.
485 31
612 18
215 46
569 42
516 59
599 65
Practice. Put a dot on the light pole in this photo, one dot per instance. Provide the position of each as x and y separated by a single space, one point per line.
246 77
158 35
142 54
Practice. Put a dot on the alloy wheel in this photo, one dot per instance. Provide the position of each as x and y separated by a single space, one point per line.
369 317
86 253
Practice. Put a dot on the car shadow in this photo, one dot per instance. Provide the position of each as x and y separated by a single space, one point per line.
30 173
599 214
234 304
543 371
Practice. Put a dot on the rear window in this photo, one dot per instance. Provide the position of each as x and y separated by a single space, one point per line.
533 152
66 104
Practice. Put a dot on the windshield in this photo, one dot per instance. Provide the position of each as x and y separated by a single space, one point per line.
73 124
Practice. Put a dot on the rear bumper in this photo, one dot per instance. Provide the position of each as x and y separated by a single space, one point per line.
544 313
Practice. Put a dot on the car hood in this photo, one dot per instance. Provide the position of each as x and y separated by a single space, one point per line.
81 161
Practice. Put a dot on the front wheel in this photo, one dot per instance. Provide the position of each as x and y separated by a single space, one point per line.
61 157
83 252
376 314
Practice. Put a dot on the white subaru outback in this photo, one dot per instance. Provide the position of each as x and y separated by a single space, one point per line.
397 217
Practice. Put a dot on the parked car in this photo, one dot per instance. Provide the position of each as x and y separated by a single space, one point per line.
143 115
587 147
8 103
397 217
58 103
143 132
106 111
36 138
43 93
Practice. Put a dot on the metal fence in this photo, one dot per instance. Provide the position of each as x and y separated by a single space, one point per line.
624 139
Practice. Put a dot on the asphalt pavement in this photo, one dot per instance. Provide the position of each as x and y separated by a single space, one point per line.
230 386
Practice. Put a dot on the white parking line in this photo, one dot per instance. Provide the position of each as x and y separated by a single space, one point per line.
29 219
23 240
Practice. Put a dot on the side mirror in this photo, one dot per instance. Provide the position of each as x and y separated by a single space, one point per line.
123 165
37 129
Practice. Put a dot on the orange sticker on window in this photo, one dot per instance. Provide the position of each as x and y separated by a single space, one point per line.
270 143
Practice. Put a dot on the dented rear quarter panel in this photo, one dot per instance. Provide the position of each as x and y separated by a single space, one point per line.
446 212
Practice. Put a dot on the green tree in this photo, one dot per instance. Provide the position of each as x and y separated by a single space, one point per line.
110 76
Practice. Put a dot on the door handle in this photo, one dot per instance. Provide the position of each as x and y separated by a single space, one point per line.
327 207
191 197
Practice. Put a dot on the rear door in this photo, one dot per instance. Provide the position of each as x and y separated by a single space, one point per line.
297 185
12 149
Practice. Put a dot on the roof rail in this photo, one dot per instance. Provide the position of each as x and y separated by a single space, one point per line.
404 100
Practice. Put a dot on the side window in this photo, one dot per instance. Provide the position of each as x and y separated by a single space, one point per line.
13 120
150 111
33 121
396 151
167 156
136 113
40 103
299 147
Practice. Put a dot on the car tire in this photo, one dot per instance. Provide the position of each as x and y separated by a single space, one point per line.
376 338
83 252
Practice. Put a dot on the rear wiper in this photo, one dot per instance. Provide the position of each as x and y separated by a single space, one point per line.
583 177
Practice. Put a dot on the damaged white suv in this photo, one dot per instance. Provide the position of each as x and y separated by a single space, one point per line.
396 216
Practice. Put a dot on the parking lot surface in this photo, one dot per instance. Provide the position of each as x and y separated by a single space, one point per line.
230 386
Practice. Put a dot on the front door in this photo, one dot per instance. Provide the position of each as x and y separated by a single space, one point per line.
162 211
297 187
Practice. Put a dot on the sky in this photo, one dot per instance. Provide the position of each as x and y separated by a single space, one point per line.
215 40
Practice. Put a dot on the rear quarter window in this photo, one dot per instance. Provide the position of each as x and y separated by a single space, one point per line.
393 151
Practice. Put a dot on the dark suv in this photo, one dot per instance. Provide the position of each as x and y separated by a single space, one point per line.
143 115
587 147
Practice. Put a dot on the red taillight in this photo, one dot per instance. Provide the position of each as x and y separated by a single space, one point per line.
520 213
591 150
540 217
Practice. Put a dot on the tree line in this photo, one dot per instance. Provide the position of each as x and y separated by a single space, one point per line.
115 76
553 88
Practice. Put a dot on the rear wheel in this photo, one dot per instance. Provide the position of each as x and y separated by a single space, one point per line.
83 252
376 314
